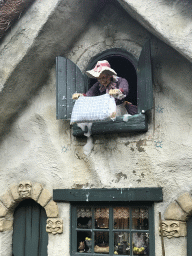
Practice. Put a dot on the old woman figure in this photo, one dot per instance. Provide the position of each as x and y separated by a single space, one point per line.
108 82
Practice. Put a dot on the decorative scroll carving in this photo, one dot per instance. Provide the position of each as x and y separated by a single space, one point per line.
54 226
24 189
173 228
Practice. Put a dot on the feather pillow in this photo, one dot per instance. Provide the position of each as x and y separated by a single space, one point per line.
93 109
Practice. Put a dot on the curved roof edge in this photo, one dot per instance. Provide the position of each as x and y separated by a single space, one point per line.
169 20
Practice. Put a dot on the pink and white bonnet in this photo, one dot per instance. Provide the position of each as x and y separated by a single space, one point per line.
99 68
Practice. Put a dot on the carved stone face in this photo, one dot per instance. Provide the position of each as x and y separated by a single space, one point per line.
24 189
171 228
54 226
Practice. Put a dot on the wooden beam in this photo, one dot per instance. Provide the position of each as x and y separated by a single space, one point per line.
135 123
108 195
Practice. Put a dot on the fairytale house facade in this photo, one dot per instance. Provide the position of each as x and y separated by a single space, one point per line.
54 198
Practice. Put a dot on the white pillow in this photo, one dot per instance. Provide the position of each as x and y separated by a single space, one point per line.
96 108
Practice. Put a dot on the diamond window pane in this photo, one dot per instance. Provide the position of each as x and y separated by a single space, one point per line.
121 217
84 217
101 242
101 218
121 243
140 243
140 218
82 245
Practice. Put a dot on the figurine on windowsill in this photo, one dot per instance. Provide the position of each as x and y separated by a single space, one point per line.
81 246
109 82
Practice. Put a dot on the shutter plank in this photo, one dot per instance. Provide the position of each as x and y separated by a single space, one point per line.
35 222
69 80
80 82
43 234
29 230
145 86
71 86
29 248
61 93
19 232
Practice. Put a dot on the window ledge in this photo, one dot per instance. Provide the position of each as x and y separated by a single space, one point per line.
135 123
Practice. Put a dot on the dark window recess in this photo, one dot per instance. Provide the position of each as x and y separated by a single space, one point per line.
112 229
138 74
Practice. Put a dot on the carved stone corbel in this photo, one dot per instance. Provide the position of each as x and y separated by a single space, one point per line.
24 189
173 228
54 226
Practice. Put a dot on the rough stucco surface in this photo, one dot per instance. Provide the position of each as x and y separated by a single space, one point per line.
6 243
42 149
170 20
30 49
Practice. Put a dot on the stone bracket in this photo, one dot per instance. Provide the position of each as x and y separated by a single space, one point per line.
176 216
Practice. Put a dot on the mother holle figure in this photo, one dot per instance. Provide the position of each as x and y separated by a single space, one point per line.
109 82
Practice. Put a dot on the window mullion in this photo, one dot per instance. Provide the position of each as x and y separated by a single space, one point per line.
111 235
74 229
130 233
151 231
93 227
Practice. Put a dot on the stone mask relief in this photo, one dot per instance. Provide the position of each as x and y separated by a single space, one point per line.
54 226
172 228
24 189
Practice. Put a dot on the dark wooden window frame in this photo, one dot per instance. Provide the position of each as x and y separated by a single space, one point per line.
109 197
111 230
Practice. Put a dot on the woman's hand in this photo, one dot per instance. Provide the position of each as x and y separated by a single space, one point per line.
116 93
76 95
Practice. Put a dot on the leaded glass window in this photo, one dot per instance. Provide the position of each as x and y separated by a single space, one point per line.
112 230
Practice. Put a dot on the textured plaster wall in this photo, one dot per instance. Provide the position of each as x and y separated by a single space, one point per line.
48 29
42 149
170 20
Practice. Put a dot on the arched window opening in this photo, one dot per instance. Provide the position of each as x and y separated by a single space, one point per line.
124 68
70 80
29 230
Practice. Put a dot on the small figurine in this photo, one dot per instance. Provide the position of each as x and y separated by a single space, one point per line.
88 242
81 246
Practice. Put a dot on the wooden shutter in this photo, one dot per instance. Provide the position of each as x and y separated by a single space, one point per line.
29 230
144 78
69 80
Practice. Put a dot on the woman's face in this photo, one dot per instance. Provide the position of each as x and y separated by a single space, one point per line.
104 79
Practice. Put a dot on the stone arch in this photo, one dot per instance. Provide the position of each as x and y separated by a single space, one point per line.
177 213
180 209
82 54
13 196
